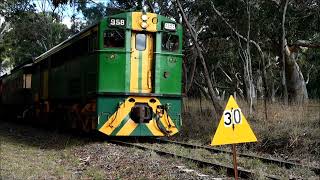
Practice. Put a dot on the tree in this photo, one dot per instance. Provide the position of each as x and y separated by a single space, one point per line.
30 33
265 37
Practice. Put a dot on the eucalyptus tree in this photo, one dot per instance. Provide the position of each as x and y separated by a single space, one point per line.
301 26
28 34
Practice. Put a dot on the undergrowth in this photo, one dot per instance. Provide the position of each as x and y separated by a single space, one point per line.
289 132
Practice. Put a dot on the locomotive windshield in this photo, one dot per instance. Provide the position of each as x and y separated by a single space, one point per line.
114 38
170 42
140 42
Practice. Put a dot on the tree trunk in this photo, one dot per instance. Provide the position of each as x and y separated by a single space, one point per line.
297 90
248 66
259 85
273 92
4 27
294 85
284 44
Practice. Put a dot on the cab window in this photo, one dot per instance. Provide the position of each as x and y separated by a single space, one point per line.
114 38
140 42
170 42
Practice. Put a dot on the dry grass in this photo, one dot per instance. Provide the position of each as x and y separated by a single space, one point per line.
31 153
31 157
260 168
290 132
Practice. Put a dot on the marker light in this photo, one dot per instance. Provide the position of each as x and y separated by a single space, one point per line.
144 25
144 17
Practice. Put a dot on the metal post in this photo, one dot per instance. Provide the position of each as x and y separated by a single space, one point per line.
235 165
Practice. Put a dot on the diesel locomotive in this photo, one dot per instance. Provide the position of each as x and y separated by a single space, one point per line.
121 76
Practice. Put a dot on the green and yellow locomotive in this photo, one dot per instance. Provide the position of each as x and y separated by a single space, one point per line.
121 76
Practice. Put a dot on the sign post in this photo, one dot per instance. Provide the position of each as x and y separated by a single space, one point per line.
235 165
233 128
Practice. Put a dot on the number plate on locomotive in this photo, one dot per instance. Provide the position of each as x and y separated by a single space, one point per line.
117 22
169 26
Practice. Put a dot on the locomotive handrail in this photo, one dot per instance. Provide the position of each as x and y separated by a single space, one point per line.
112 50
168 53
101 114
138 94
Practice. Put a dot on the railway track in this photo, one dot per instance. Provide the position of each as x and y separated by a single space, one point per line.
243 173
281 163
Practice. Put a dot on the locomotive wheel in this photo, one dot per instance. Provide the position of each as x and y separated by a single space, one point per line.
87 118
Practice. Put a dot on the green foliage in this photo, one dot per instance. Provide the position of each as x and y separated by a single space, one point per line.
92 13
31 33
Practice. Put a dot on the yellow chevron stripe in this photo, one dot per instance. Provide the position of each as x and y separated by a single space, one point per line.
152 126
128 128
115 120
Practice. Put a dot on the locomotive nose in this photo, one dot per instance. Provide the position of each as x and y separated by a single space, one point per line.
141 113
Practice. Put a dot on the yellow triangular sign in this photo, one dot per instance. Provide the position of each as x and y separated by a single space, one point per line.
233 127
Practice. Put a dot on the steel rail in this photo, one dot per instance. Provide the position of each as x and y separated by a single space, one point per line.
281 163
243 173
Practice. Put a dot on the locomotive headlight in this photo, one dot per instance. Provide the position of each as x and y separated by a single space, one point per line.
144 17
144 25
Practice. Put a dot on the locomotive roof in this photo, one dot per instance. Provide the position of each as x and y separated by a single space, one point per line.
62 45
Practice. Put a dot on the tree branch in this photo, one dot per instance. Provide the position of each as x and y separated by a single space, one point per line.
193 70
264 73
305 43
214 99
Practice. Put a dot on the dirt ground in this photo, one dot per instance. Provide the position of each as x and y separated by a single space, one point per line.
37 153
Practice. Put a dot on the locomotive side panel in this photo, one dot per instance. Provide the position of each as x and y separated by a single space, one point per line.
114 50
65 82
16 92
169 60
73 71
16 89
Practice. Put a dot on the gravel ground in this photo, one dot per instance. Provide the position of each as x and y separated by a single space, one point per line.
33 153
118 162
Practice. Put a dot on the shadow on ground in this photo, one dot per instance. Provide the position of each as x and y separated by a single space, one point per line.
57 139
45 138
